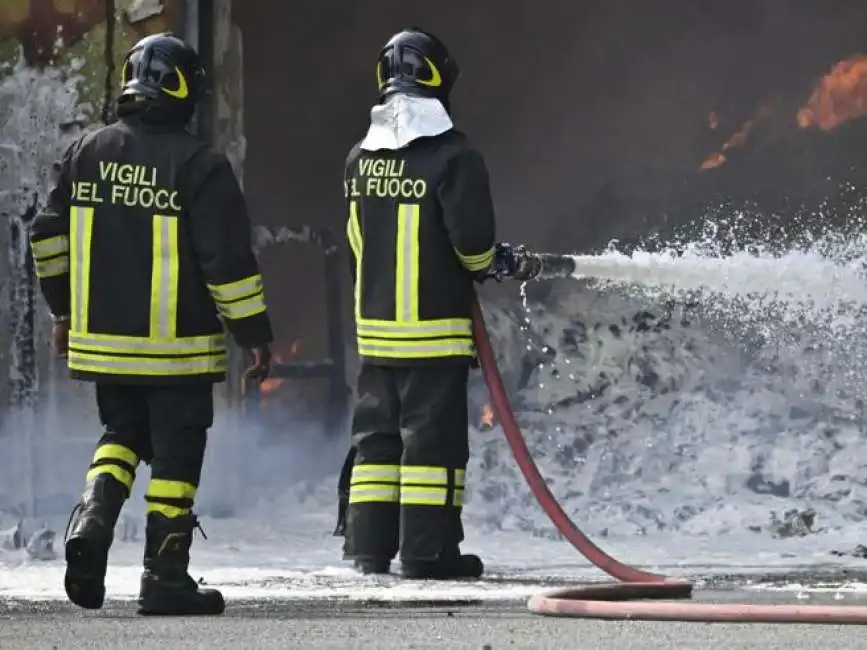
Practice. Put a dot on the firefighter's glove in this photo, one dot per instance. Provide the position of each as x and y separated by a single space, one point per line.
512 262
261 367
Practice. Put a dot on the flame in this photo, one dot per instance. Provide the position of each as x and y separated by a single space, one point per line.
712 120
840 96
736 140
487 420
270 386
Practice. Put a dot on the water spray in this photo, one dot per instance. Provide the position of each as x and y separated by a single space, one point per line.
615 601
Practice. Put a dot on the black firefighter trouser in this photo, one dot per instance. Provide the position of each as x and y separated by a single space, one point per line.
163 426
410 432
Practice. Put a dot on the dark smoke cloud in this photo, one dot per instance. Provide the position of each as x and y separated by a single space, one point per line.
593 115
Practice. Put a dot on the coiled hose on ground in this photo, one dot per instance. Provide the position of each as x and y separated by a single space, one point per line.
627 599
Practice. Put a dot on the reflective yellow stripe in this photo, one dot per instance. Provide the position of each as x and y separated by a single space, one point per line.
81 234
406 271
243 308
375 474
416 349
112 365
478 262
423 496
235 290
50 247
52 268
374 494
121 474
374 483
241 299
355 228
352 234
424 475
116 452
160 488
167 510
191 345
422 485
419 330
164 278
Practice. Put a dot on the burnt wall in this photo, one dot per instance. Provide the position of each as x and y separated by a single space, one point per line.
594 116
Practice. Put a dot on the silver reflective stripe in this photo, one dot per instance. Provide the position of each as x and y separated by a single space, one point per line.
50 247
370 494
424 475
419 349
235 290
243 308
78 361
52 268
407 272
162 278
374 476
447 329
80 231
194 345
424 496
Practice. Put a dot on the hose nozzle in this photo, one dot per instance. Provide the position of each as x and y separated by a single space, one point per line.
541 266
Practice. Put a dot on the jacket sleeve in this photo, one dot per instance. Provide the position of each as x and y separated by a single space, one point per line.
468 210
49 243
220 235
353 226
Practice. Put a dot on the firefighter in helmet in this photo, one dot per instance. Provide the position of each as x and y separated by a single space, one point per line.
421 229
144 256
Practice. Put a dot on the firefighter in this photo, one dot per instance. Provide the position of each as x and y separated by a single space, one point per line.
143 255
421 229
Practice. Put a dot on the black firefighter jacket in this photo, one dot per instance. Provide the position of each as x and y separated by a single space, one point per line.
145 245
420 228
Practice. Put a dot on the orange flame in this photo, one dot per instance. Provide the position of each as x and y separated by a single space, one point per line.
712 120
487 420
736 140
270 386
840 96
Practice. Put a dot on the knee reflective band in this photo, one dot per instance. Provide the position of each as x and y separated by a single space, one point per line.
241 299
431 486
51 257
476 262
115 460
374 484
170 498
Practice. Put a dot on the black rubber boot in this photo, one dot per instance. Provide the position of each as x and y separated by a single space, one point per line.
167 589
373 565
89 535
451 565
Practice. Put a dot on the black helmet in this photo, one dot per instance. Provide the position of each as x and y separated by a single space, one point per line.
164 73
416 62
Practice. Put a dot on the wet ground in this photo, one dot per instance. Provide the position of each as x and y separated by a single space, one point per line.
454 624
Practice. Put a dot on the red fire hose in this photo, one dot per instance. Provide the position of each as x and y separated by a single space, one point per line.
613 601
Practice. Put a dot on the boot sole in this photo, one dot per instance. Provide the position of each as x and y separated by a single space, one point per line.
85 576
166 603
150 612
